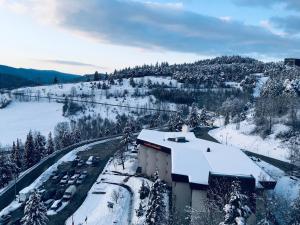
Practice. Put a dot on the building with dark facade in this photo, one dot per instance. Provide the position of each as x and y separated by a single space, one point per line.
292 62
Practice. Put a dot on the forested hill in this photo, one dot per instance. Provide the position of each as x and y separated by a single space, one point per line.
208 73
11 77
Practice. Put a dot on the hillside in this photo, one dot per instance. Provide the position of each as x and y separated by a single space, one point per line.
17 77
11 81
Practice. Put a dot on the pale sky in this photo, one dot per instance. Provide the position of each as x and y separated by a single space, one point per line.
81 36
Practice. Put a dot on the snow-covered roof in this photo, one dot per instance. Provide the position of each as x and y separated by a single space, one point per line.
192 159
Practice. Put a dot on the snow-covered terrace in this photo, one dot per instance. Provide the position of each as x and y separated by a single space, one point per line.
192 158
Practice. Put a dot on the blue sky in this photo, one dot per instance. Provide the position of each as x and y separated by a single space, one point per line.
83 36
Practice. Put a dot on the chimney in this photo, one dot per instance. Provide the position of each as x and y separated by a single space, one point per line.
185 128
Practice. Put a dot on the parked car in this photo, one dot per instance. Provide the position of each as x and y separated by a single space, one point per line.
69 193
64 180
80 163
4 219
90 160
81 178
49 203
56 205
73 179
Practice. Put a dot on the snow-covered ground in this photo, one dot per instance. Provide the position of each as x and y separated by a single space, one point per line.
287 187
259 84
95 208
18 118
244 139
46 175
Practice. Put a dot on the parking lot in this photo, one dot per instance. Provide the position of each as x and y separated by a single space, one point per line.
80 175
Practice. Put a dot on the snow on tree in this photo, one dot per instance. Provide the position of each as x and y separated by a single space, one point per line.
39 147
127 136
7 169
156 208
16 155
5 99
193 117
204 117
295 215
175 122
140 211
35 212
50 144
236 211
29 157
126 139
144 191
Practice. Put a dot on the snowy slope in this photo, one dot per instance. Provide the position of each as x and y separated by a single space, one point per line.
244 139
18 118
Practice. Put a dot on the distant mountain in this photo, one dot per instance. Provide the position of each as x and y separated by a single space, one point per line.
11 77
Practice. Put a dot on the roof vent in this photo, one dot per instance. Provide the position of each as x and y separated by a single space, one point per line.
178 139
208 150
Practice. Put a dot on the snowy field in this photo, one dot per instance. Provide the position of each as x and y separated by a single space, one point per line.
18 118
243 139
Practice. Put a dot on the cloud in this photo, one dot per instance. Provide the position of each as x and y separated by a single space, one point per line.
69 63
288 4
290 24
151 25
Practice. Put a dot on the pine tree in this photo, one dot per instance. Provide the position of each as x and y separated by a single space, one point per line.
35 212
144 191
193 118
204 117
39 147
175 122
236 211
13 151
140 211
295 215
29 157
7 169
50 144
127 136
16 156
125 141
156 209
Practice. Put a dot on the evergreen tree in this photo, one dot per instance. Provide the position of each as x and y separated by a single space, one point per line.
236 211
156 209
39 147
29 157
140 211
7 169
127 136
204 118
50 144
16 156
193 118
144 191
125 141
96 76
13 151
295 215
175 122
35 212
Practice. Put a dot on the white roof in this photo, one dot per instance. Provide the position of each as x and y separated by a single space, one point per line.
192 159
